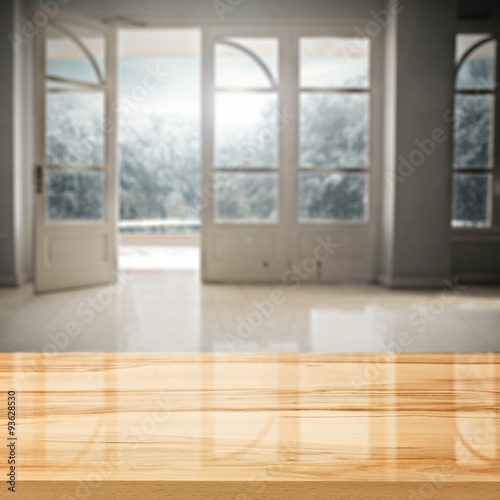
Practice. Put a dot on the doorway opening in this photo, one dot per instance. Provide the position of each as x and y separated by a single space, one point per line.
271 149
288 128
159 144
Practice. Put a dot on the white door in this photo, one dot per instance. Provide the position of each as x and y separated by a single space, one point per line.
76 172
290 154
336 149
244 158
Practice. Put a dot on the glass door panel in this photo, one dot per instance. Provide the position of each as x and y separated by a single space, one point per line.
288 157
76 154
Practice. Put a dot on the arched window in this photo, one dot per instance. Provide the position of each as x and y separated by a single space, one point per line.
474 136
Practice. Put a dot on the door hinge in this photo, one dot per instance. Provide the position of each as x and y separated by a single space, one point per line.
39 179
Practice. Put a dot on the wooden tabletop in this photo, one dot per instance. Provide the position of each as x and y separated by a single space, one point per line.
253 426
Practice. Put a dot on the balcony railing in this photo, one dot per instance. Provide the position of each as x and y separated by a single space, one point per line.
159 223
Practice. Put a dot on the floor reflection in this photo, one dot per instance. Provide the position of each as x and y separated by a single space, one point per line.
427 419
170 311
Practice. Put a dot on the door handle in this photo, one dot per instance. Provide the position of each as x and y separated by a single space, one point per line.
39 179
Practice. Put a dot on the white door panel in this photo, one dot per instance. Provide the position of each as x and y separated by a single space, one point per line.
313 73
251 254
243 234
76 174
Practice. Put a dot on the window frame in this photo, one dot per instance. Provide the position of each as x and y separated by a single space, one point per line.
299 91
492 230
210 91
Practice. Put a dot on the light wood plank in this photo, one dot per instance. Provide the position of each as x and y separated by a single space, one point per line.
252 426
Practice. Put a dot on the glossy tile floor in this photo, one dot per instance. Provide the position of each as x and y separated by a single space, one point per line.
168 310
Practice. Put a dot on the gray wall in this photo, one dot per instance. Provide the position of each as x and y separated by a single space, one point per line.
477 261
204 9
419 178
15 149
7 216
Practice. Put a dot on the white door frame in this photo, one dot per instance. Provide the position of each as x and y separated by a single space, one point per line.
71 254
356 259
280 246
261 245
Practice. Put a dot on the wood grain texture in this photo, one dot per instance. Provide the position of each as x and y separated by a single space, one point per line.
254 426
